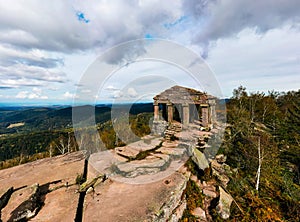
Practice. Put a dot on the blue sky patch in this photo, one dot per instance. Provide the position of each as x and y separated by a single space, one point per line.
148 36
81 17
172 24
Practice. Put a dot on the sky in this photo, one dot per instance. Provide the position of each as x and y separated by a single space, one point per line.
48 47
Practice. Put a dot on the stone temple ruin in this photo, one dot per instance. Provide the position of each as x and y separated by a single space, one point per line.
185 105
181 107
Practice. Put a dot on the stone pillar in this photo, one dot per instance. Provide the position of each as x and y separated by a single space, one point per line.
186 114
212 111
170 112
156 112
205 116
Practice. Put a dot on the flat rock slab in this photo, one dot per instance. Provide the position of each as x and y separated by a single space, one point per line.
114 201
152 168
64 167
177 152
185 136
170 144
58 203
15 200
150 165
127 151
201 133
133 149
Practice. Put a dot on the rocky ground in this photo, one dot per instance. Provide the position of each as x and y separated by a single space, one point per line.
144 181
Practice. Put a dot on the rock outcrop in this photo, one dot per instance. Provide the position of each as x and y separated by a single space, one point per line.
142 181
44 189
225 201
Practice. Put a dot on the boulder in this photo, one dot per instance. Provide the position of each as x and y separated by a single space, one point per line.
199 213
199 158
224 180
217 166
221 158
223 207
209 193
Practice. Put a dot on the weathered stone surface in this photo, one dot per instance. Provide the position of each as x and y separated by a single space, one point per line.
170 144
217 166
152 165
158 127
200 214
113 201
177 152
185 136
201 134
221 158
220 171
15 200
223 207
209 193
46 172
29 208
182 95
167 209
4 198
127 152
199 158
59 205
224 180
177 215
133 149
43 171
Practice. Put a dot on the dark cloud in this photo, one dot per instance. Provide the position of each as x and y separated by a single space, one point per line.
6 87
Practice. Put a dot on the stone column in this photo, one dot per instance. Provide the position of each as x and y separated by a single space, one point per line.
186 114
205 118
170 112
156 112
212 109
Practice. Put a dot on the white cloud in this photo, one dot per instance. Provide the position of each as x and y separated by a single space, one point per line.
22 95
68 95
117 94
37 90
111 88
131 92
36 93
86 91
253 62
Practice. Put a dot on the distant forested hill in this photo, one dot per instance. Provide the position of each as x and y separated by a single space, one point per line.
31 133
54 118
